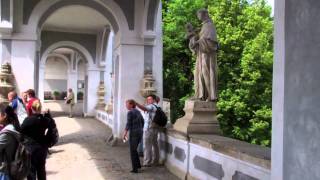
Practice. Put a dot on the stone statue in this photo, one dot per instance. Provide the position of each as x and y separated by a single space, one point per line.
204 46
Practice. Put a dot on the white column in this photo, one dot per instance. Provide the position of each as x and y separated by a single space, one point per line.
72 82
0 49
130 73
157 65
93 84
296 95
108 68
23 64
41 81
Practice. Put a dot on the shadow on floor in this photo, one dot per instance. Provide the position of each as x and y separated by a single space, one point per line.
111 162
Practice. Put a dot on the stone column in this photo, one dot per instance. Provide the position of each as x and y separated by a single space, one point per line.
73 82
93 84
296 95
41 82
128 76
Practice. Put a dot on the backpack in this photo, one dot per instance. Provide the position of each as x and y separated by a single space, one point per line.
20 166
160 118
52 135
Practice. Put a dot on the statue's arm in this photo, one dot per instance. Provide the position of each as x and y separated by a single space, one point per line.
207 45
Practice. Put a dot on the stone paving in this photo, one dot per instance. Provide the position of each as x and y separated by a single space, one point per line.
82 154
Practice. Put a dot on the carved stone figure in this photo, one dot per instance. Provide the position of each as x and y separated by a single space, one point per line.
204 46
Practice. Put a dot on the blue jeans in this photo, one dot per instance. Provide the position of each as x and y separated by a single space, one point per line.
4 176
134 140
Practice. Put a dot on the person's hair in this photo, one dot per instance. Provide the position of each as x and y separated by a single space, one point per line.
13 93
154 97
157 99
132 102
31 93
36 106
12 117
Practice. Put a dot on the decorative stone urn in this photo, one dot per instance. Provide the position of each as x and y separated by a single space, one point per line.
109 106
6 84
147 85
101 92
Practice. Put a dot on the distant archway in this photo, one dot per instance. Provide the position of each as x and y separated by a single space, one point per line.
87 58
72 45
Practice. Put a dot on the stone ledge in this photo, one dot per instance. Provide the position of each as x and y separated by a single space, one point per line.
176 134
258 155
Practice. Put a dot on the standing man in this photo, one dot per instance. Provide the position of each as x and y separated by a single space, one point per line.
17 104
134 127
150 133
31 98
70 101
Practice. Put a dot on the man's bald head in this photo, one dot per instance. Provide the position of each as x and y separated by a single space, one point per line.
12 95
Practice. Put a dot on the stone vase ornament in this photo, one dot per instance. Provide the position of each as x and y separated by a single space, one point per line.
109 107
6 84
101 92
201 110
148 85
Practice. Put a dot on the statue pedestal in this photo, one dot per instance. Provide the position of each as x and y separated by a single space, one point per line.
200 118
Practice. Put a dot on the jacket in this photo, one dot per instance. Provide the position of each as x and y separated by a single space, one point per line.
35 127
8 146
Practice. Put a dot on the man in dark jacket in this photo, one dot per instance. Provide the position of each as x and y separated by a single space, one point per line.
135 128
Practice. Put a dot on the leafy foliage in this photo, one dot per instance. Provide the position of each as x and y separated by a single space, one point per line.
245 63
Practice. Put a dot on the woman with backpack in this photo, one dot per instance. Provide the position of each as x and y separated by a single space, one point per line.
34 129
9 137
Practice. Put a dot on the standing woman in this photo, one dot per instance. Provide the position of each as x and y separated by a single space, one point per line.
34 129
8 143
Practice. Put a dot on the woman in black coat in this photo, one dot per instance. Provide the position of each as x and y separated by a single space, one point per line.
34 129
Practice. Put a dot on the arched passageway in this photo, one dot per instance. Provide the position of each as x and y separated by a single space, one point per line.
119 40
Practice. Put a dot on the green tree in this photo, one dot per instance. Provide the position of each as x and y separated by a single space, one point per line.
245 63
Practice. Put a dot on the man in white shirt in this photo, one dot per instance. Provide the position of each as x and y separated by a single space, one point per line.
17 104
150 132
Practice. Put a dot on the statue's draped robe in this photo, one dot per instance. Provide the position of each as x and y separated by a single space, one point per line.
206 76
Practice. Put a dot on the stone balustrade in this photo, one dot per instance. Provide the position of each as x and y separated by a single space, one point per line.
213 157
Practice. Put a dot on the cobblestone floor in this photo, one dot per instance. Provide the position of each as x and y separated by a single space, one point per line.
82 154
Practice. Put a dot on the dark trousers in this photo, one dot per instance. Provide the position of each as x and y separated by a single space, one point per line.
134 140
38 163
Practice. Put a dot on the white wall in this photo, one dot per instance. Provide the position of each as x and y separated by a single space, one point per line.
81 70
56 68
22 60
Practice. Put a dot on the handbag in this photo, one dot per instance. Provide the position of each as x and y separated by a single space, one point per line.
68 101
